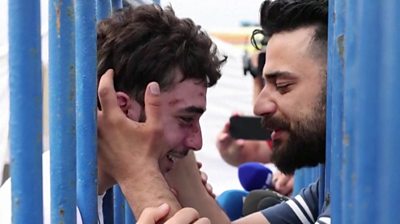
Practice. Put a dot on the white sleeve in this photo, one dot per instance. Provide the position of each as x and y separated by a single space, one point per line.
5 205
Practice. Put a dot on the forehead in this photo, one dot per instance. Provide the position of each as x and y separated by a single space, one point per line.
288 51
185 94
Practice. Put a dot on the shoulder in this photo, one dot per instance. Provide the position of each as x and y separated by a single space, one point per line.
303 208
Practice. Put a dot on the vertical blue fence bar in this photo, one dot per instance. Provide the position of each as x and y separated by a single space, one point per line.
388 179
25 111
86 131
367 137
116 4
349 129
62 111
119 199
336 48
119 205
129 218
103 9
304 177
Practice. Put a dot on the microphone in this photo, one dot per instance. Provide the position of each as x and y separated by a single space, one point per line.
258 200
231 201
253 175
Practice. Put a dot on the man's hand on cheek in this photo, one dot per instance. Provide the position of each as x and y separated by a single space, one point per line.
126 146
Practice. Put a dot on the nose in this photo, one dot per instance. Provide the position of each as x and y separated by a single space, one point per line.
265 105
194 139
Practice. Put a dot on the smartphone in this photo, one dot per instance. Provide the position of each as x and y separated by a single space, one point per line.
248 127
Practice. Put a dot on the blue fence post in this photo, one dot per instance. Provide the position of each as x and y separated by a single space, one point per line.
86 138
103 9
388 175
116 4
119 205
129 218
366 111
304 177
349 129
62 111
336 51
25 111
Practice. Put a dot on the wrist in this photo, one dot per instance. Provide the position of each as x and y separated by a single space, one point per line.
138 170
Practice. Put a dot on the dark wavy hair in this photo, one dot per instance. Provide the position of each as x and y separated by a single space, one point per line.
287 15
147 43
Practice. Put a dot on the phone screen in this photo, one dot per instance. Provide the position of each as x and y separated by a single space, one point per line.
248 127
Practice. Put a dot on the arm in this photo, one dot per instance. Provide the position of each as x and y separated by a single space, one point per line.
255 218
129 150
186 180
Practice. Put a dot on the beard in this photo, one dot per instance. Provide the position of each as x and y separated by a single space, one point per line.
305 145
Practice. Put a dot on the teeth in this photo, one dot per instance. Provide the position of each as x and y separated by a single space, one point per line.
170 157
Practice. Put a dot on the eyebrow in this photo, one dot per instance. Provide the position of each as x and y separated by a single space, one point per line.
278 74
193 110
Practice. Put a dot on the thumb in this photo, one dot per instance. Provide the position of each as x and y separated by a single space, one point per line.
107 94
152 103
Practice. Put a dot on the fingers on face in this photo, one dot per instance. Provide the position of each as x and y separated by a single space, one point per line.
204 177
210 190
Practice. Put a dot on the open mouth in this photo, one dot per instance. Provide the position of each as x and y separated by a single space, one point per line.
277 134
173 156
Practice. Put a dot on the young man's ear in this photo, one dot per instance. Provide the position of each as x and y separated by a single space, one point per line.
130 107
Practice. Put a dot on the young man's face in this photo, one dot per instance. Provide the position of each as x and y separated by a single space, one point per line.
292 102
182 106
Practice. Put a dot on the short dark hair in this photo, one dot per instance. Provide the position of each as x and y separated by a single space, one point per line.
287 15
147 43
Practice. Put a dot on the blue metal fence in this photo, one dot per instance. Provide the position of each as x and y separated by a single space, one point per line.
62 111
363 39
72 88
388 164
362 112
25 110
86 103
363 108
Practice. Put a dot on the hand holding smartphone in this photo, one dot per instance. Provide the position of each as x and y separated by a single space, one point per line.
248 127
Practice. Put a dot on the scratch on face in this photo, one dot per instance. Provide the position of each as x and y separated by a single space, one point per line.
174 102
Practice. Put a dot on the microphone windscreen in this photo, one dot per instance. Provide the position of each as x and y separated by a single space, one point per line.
253 175
267 202
231 201
258 200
